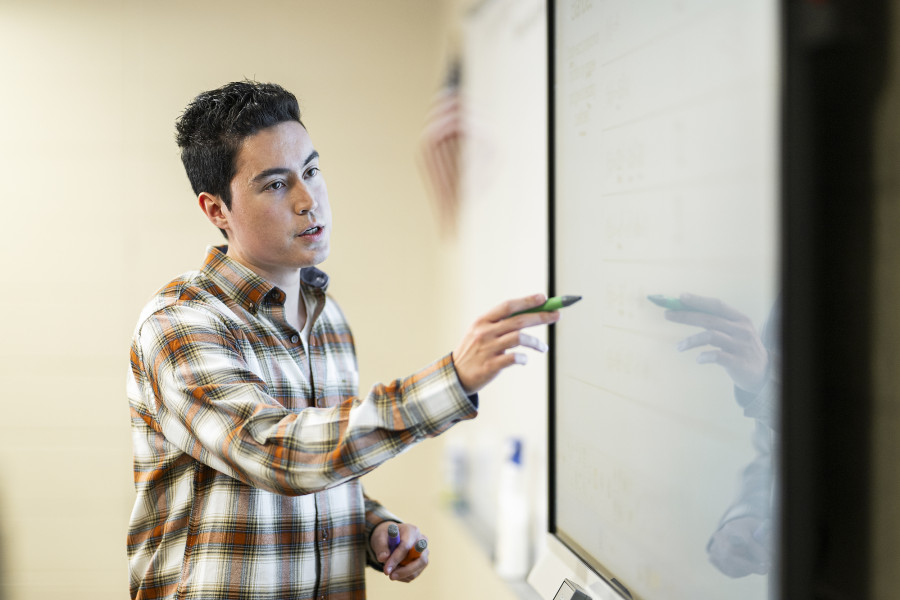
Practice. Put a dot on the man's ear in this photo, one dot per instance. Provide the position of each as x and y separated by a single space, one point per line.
214 209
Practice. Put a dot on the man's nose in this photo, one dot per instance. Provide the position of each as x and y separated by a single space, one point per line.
304 201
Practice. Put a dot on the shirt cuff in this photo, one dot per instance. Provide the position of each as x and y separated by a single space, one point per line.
762 406
473 398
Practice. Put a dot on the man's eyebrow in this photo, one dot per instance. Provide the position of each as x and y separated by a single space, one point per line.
312 156
282 170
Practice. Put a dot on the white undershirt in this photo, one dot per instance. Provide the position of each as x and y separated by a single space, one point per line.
304 333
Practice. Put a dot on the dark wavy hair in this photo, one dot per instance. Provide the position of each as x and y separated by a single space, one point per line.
212 128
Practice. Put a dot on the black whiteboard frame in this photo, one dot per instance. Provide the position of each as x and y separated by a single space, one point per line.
833 57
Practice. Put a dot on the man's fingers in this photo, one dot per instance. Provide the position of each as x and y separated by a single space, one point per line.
504 309
698 339
712 356
507 359
711 305
698 319
738 558
733 566
708 338
514 339
529 341
410 571
524 321
727 360
398 571
379 545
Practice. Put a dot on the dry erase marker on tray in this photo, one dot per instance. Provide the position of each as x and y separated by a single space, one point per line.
415 552
393 536
554 303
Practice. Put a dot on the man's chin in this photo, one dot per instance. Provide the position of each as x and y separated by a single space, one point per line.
314 259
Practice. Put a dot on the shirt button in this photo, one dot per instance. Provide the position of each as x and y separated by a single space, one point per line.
295 338
324 534
252 307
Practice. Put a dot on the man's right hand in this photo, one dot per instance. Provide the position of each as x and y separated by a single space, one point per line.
482 353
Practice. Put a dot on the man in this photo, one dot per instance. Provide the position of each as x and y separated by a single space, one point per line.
249 435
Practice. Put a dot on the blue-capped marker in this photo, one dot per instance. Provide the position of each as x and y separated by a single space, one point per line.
393 536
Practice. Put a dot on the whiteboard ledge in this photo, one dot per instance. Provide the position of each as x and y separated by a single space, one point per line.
557 563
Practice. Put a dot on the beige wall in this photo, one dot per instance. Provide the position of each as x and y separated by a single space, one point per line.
97 214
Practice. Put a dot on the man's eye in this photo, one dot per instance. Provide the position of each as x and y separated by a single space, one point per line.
275 185
312 172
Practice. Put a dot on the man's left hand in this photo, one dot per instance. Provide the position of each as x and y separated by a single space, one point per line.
409 535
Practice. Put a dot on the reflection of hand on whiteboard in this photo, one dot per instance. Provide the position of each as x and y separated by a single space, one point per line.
738 347
741 547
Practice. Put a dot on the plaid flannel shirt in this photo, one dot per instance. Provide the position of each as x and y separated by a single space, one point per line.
247 453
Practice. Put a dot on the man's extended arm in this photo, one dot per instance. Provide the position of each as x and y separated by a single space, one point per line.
201 393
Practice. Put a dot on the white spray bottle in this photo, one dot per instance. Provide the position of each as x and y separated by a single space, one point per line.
512 549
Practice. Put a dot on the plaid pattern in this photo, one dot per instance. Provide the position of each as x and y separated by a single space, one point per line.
247 455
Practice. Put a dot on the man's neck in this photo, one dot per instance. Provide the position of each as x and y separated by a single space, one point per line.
289 282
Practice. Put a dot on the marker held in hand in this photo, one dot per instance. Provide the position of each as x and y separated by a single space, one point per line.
415 552
555 303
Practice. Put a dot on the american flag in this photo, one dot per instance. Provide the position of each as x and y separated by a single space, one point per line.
439 156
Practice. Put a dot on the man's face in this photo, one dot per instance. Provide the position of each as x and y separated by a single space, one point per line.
280 219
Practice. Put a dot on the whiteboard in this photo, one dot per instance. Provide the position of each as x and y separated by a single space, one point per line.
665 167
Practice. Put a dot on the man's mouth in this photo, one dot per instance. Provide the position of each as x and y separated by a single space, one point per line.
315 229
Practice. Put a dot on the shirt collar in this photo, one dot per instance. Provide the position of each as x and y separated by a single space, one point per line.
246 287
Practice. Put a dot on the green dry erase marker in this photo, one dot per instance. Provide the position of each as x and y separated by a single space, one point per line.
555 303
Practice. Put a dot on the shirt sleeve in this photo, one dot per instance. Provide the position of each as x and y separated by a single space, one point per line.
200 392
755 495
763 405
